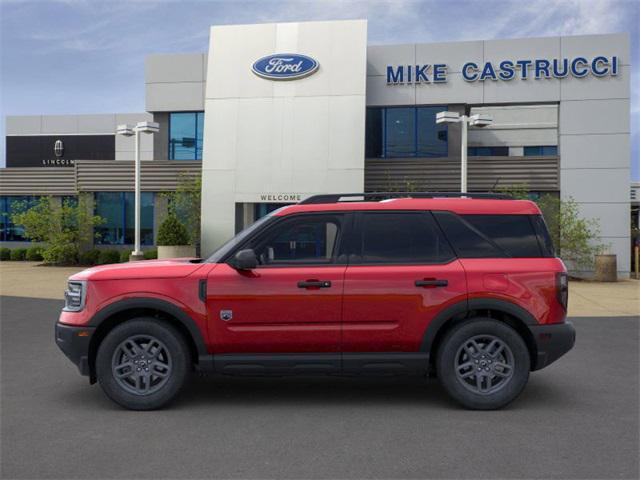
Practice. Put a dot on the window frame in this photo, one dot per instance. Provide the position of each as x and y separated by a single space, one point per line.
339 258
416 129
355 257
195 113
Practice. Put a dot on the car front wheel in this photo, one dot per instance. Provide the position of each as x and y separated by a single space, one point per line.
142 363
483 364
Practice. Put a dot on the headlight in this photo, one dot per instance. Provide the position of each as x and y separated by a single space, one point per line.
74 296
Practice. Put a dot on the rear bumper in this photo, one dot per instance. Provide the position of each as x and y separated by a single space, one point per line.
552 342
74 343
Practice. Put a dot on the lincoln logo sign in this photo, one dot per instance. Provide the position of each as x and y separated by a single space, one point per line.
505 70
58 148
285 66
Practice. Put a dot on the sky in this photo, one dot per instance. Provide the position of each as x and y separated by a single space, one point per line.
87 56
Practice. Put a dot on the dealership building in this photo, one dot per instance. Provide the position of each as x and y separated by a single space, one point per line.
273 113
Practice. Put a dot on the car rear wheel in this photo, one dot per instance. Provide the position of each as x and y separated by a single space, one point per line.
142 364
483 364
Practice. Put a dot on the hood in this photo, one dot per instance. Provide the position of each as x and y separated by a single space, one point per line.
166 268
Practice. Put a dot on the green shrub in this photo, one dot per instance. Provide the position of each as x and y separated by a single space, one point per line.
63 227
151 254
172 232
61 254
5 254
34 254
18 254
124 256
108 256
90 257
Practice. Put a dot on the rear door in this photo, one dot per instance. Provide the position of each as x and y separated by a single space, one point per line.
401 275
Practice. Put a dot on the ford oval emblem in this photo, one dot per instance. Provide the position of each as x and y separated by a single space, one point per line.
285 66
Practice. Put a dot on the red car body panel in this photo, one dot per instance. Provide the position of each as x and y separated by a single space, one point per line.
271 313
527 282
384 311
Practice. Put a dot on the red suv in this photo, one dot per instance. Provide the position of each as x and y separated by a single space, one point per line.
466 288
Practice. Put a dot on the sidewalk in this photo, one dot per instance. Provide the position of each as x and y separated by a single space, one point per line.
586 299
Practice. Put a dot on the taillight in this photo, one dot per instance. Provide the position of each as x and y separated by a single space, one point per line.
562 289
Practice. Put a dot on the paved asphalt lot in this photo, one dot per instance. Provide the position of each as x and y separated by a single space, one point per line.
576 419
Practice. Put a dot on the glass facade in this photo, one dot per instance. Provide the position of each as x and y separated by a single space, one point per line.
185 135
405 132
541 151
8 206
488 151
117 209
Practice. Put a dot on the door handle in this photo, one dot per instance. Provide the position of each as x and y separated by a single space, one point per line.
313 284
431 283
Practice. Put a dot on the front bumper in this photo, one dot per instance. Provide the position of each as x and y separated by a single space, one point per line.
552 341
74 343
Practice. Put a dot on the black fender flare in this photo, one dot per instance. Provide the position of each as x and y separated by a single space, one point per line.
462 308
153 304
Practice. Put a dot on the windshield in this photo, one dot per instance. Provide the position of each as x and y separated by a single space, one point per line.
226 248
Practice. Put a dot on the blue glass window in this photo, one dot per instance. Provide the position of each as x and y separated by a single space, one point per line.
9 232
117 209
405 132
488 151
262 209
185 135
541 151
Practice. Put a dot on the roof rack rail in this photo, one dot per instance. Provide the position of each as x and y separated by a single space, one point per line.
377 196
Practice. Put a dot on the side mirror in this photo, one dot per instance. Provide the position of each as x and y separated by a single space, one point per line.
245 260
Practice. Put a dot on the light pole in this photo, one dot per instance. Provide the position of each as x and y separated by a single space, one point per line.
128 131
477 120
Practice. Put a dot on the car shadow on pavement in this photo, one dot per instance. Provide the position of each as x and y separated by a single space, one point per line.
220 391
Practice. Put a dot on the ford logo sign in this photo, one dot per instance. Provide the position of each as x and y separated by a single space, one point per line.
285 66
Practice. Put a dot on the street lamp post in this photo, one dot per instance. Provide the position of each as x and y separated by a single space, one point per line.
477 120
128 131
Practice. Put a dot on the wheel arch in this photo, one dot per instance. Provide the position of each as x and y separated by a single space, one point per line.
119 312
511 314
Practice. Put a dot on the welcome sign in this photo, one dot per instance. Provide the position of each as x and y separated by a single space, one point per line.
506 70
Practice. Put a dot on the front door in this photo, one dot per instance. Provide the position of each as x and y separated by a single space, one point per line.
290 303
402 275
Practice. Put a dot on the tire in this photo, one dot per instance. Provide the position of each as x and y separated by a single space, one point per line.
491 346
143 363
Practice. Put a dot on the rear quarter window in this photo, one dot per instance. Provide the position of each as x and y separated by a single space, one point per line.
492 236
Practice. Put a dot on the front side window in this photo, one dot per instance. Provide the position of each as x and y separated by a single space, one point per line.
412 238
117 209
306 240
185 135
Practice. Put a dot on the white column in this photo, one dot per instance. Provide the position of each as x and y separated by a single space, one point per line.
463 155
136 248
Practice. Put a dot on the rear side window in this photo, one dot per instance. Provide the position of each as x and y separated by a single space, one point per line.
486 236
398 237
512 233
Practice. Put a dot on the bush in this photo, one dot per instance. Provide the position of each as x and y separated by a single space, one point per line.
61 254
5 254
151 255
90 257
18 254
64 228
124 256
172 232
108 256
34 254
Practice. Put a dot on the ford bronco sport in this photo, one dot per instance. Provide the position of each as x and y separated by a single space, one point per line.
466 288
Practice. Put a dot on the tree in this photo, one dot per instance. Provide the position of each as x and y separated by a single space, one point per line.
65 228
577 239
184 203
